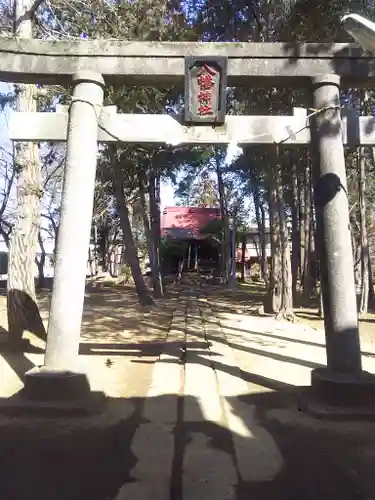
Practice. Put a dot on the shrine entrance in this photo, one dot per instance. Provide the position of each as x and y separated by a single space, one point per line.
205 69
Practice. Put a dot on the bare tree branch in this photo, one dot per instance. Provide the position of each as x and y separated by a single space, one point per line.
28 14
52 173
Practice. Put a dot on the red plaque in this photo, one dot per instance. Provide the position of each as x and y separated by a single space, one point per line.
205 90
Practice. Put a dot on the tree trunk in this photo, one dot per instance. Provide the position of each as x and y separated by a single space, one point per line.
364 299
312 244
154 196
130 249
243 257
145 218
295 232
95 250
273 298
321 309
260 219
357 253
112 253
158 229
370 279
307 236
91 263
286 307
103 247
233 264
302 224
22 308
225 264
41 262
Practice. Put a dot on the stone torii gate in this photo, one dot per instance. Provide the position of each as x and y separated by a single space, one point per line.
318 67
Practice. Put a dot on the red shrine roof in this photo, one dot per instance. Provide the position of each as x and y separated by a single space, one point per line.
186 222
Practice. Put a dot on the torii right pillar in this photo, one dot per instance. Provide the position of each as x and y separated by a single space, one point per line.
342 384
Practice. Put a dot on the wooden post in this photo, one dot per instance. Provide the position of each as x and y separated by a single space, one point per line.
189 257
196 258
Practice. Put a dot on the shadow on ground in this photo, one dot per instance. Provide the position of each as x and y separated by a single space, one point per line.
281 454
113 313
91 458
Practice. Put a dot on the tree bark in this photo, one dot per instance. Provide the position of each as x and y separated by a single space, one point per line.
41 262
225 252
302 224
286 306
273 298
243 257
154 196
370 278
112 253
356 246
22 308
307 236
364 298
312 243
320 309
145 218
103 244
95 250
295 231
260 219
130 249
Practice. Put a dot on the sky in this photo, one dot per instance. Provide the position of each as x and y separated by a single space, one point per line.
167 195
167 189
5 143
5 88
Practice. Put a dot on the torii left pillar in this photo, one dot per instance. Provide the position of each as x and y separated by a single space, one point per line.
59 379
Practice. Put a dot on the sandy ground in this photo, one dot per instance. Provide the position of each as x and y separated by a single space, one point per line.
249 297
202 406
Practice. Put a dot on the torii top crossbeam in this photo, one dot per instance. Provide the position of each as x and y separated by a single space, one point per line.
153 63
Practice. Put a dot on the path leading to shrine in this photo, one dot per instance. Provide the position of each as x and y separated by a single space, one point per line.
202 405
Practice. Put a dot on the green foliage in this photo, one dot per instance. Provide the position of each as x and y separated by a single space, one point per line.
124 20
193 169
214 227
172 249
126 273
197 188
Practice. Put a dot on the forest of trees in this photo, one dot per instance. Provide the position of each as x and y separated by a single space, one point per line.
278 184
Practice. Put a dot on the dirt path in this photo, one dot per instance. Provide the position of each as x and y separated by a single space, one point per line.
203 406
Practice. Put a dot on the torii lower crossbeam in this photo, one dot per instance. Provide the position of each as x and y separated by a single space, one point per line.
291 130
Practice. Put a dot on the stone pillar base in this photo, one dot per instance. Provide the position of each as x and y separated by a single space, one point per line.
334 395
42 384
47 392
